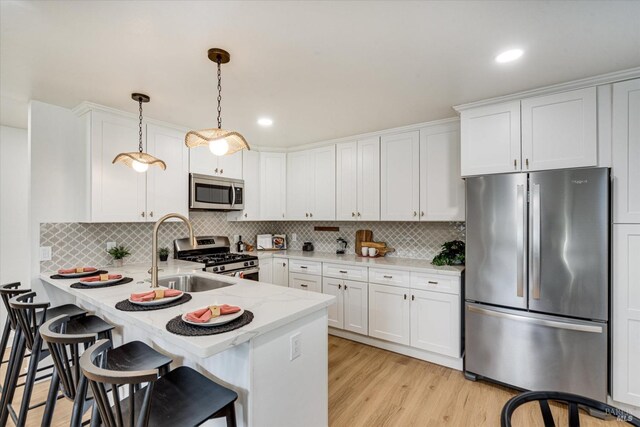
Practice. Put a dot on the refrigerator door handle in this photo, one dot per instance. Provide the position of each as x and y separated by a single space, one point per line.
521 237
535 321
535 240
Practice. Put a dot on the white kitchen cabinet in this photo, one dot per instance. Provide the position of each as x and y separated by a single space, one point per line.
400 177
389 313
560 130
335 312
351 310
442 189
435 322
311 177
273 182
305 282
305 266
280 271
626 314
265 274
251 177
490 139
626 152
204 162
358 180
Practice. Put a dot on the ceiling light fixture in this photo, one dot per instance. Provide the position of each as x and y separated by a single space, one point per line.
139 160
265 121
509 55
221 142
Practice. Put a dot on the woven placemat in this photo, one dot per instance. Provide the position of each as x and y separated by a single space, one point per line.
180 327
122 281
126 305
93 273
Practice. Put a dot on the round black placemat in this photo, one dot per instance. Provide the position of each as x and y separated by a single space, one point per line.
126 305
122 281
180 327
93 273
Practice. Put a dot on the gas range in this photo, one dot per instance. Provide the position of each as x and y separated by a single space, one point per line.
215 253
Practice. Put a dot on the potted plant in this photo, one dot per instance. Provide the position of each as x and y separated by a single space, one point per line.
118 253
452 253
163 253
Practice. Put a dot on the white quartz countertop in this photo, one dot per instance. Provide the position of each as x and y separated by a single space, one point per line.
410 264
273 306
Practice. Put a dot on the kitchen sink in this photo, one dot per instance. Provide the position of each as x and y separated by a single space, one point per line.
192 283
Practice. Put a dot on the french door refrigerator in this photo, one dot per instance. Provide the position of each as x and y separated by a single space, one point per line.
537 280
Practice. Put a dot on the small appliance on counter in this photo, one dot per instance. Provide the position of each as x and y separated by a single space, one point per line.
342 246
307 247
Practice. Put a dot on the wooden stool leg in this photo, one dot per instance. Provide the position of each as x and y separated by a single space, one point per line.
52 398
18 349
30 380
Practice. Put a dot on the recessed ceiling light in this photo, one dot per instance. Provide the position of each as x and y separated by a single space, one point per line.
509 55
265 121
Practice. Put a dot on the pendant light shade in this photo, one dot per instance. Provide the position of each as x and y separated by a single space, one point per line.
221 142
139 160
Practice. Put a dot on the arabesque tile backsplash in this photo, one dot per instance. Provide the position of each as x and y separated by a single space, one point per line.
76 244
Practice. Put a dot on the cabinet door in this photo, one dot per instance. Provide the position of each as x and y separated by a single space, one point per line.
369 179
273 175
441 186
231 166
251 176
400 177
490 139
280 271
298 187
626 152
203 161
560 130
389 313
435 322
322 194
118 193
305 282
335 311
356 307
167 190
265 274
346 181
626 314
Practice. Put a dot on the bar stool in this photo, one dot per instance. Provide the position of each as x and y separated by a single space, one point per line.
183 397
7 292
64 338
30 316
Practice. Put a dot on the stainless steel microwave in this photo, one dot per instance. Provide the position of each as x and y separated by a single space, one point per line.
215 193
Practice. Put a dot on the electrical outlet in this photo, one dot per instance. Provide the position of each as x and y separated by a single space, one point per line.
295 346
111 245
294 237
45 253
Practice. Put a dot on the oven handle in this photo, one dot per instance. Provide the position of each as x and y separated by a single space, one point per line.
245 271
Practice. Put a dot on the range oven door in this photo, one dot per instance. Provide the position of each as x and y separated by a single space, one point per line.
214 193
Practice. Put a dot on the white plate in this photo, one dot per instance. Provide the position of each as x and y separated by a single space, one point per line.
86 273
220 320
101 282
156 301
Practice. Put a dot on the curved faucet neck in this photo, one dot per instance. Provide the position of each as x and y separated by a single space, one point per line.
154 243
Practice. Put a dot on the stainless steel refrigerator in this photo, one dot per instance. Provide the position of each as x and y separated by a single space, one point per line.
537 280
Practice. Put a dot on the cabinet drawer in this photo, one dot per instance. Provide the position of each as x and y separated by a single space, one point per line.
348 272
305 282
389 277
306 267
434 282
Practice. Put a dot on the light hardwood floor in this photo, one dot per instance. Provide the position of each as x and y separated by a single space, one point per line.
374 388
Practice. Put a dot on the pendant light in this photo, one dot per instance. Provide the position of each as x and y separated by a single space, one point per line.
139 160
221 142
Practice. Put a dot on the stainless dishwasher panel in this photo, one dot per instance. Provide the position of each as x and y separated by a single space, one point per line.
536 352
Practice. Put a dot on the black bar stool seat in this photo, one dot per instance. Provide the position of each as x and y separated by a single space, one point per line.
70 310
136 356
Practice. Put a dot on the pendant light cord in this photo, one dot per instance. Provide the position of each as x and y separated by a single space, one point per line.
140 126
219 94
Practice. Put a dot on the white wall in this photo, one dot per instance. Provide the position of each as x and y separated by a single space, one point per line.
14 208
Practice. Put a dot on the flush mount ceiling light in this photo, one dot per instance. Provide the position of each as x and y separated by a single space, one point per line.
509 55
221 142
139 160
265 121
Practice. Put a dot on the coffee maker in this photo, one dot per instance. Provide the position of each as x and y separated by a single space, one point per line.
342 246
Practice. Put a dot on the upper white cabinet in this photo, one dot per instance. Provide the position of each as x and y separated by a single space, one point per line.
251 177
490 139
626 152
311 178
204 162
400 177
442 189
358 180
560 130
273 186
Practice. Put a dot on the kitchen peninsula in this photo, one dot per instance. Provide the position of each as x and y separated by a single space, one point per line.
275 386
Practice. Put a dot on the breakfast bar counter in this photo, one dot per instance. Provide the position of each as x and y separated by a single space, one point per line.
275 385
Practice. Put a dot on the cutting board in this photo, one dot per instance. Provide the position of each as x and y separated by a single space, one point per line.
362 236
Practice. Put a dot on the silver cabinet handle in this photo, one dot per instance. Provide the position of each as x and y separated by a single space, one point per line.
142 214
221 170
151 214
310 215
415 213
353 214
307 215
343 271
358 213
388 277
431 282
534 206
521 239
216 171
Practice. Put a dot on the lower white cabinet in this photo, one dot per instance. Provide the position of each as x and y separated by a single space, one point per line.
265 273
435 322
351 310
280 271
389 313
305 282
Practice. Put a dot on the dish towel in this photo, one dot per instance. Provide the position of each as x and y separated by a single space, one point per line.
99 278
77 270
205 314
155 295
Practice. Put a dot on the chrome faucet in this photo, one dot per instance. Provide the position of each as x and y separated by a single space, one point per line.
154 244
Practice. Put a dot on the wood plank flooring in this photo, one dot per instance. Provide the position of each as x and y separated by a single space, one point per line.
376 388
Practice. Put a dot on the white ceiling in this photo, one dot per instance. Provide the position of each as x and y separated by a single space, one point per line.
321 70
